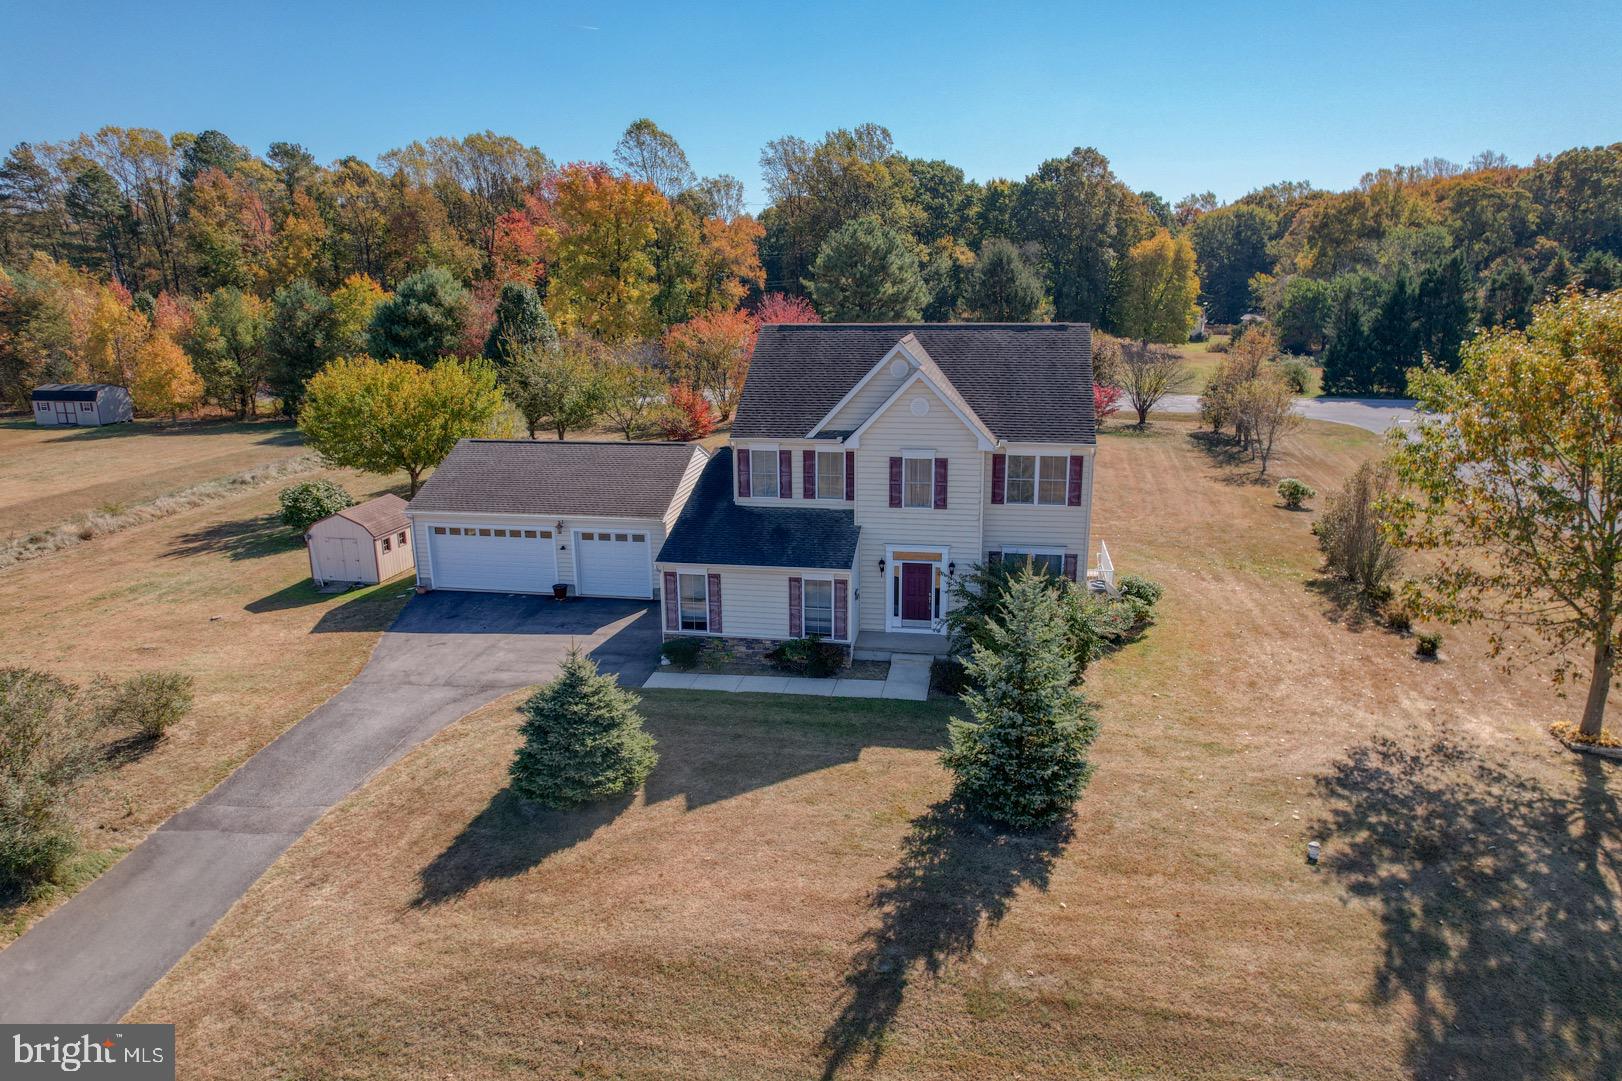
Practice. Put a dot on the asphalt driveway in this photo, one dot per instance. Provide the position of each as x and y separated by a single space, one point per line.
445 656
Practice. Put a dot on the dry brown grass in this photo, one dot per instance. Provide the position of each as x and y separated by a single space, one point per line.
792 893
221 592
53 475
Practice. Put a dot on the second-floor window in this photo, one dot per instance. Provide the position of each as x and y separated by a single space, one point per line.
830 474
1038 479
918 482
763 473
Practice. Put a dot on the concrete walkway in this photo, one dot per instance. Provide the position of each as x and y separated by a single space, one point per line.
446 655
908 679
1377 415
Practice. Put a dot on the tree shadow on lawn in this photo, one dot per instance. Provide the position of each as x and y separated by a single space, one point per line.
1237 466
956 873
1497 902
1341 603
247 538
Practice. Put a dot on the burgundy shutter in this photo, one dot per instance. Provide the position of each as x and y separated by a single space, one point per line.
796 607
993 557
850 475
808 472
785 474
715 604
672 603
1073 490
940 483
1070 566
999 477
841 609
895 482
743 474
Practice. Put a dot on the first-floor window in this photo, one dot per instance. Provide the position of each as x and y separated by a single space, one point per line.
830 474
695 601
819 606
918 483
1044 562
763 473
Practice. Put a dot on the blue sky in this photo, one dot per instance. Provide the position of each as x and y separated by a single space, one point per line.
1180 96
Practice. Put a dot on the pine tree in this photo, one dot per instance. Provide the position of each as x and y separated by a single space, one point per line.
520 323
1442 310
1002 287
867 273
583 739
422 321
1393 337
1346 354
1023 759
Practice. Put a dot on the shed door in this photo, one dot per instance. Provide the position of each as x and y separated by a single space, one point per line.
340 560
67 413
614 563
491 559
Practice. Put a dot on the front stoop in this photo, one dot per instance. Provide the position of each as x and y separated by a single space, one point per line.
882 645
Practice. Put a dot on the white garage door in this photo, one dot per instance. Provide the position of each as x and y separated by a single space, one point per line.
493 559
614 563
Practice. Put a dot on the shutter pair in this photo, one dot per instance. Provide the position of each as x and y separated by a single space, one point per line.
808 474
672 602
796 608
785 473
941 472
999 480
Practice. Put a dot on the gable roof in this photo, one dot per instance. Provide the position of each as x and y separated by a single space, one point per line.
528 476
380 516
71 392
713 530
1026 382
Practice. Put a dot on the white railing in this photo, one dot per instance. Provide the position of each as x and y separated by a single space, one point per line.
1105 571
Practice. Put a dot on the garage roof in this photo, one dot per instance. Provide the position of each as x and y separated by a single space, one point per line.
529 476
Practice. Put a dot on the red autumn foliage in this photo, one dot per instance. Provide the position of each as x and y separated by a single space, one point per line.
782 308
1106 400
689 417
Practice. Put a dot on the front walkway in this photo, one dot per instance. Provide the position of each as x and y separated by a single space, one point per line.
908 680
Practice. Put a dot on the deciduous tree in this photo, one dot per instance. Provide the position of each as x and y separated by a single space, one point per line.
1158 299
164 379
558 388
603 278
712 352
1148 373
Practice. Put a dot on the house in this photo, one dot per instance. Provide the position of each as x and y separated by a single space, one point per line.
871 465
523 515
367 543
85 405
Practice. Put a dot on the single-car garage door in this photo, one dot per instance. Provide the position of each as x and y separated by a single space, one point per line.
494 559
614 563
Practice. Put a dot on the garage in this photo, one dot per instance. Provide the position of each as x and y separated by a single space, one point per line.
614 563
492 558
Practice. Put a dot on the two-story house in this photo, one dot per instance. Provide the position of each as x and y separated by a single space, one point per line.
869 465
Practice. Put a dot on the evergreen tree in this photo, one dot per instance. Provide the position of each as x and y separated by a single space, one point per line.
1393 337
583 739
1557 275
301 339
1442 311
1600 271
867 273
1346 354
1507 298
422 321
1002 287
1023 759
521 323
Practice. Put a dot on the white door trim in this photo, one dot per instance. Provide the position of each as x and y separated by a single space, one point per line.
892 619
647 544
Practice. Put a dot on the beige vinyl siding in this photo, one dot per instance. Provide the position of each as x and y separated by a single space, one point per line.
797 481
684 489
1022 524
853 413
754 602
957 527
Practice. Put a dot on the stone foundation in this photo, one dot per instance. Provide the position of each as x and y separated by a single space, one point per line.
743 649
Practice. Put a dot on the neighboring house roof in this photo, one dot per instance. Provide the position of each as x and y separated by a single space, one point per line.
529 476
716 531
379 517
71 392
1026 382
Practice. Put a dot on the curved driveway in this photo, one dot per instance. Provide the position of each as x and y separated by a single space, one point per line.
446 655
1373 414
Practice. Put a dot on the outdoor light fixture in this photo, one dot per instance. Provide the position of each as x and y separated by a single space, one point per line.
881 565
951 570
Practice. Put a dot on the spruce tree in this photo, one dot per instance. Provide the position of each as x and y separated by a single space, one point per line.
422 321
1346 353
1442 309
583 739
521 323
1022 760
1394 337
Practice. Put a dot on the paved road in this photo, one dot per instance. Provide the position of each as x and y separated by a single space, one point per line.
446 655
1374 414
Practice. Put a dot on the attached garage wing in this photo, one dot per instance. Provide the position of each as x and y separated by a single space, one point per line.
614 562
493 559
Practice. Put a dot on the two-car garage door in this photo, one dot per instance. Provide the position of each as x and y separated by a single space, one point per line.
493 559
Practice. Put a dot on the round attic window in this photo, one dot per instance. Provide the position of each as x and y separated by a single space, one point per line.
898 367
920 406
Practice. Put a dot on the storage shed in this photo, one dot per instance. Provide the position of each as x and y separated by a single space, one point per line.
85 405
364 544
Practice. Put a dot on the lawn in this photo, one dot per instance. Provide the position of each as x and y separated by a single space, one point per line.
1203 362
221 592
52 475
793 895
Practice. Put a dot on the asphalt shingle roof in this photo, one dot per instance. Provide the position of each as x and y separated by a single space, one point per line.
529 476
1026 381
380 516
69 392
715 531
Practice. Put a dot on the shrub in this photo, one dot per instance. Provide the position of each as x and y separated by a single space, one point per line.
1398 617
808 657
1136 587
148 703
1295 493
1022 760
1427 643
1296 372
307 503
583 739
49 745
689 415
1352 534
682 652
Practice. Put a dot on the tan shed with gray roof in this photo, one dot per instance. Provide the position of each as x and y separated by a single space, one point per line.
361 545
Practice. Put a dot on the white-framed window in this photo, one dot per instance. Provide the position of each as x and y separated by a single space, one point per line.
1046 560
918 482
1037 479
830 474
763 472
817 604
400 539
694 593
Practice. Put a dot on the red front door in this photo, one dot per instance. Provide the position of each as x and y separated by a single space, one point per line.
916 602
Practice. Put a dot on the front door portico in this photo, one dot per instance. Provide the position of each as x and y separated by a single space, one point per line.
916 590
